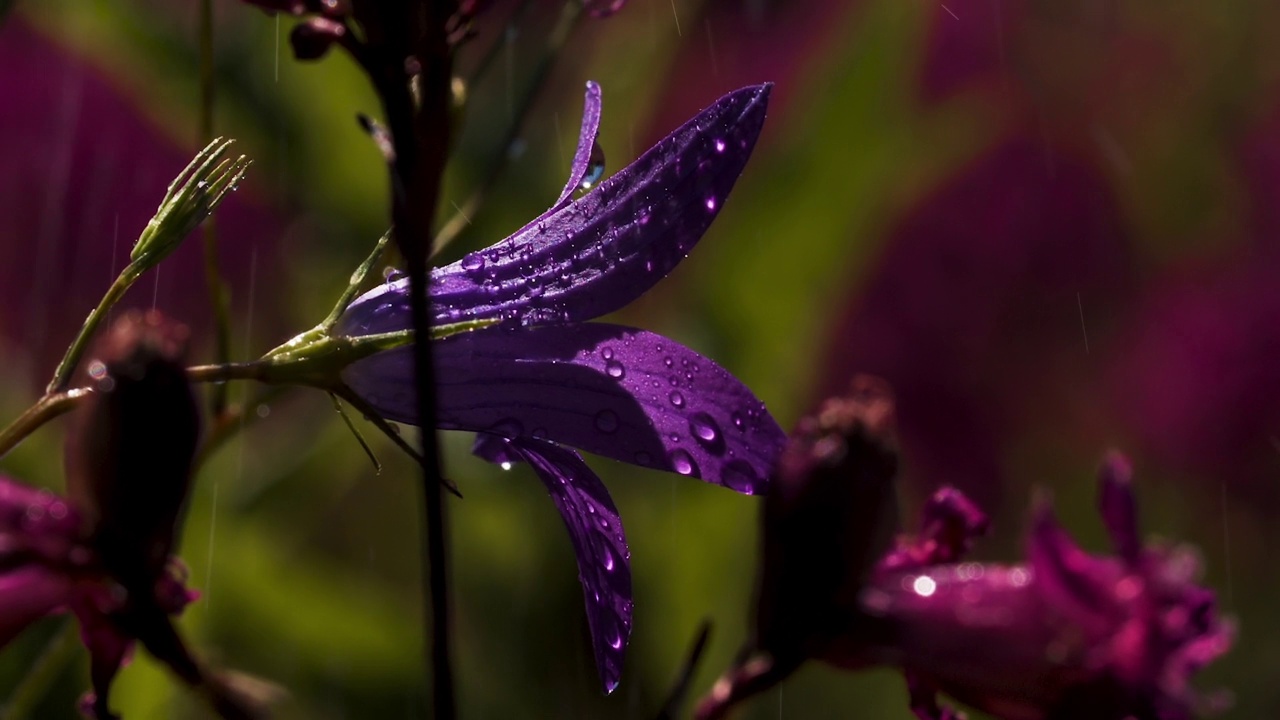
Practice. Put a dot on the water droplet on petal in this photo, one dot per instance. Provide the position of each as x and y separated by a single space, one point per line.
719 145
473 262
595 167
738 422
711 204
607 353
740 476
614 369
682 462
607 421
608 559
616 642
676 398
704 427
668 361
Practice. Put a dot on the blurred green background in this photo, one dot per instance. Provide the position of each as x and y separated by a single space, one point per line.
1052 225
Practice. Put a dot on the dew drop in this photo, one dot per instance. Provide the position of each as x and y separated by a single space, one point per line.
607 353
740 476
668 361
676 398
711 204
719 145
607 421
595 168
738 422
472 262
704 427
614 369
608 559
683 463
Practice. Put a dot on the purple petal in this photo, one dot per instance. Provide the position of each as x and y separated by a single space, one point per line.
586 142
28 594
1072 581
626 394
602 251
604 562
1118 507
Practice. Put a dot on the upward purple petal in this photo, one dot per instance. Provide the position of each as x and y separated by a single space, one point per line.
599 252
604 562
586 142
627 394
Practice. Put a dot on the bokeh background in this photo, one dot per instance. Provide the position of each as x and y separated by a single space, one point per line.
1053 225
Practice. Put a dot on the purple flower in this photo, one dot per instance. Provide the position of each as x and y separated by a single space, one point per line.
542 378
1067 634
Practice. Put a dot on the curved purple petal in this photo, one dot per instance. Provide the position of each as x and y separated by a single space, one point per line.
601 251
586 141
604 562
615 391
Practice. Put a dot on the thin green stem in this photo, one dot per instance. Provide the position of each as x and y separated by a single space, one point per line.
62 376
213 275
357 280
42 673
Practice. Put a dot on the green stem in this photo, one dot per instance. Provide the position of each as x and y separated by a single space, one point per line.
213 276
62 376
42 673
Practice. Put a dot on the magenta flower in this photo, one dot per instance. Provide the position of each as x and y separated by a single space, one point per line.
1068 634
543 378
104 553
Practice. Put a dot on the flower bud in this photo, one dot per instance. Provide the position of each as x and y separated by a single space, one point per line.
131 445
829 517
311 39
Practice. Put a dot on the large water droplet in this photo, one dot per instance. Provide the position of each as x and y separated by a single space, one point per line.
595 167
676 398
706 431
607 557
607 421
614 369
472 262
683 463
616 642
739 475
607 353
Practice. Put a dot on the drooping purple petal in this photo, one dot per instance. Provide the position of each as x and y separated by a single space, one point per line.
599 252
615 391
604 562
1073 582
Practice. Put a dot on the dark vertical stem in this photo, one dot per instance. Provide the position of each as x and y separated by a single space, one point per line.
401 34
213 275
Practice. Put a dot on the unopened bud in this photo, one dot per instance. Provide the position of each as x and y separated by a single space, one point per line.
131 445
311 40
830 515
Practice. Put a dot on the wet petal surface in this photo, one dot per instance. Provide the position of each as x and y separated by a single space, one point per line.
604 562
615 391
599 252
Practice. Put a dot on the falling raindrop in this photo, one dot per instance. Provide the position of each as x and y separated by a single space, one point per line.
595 168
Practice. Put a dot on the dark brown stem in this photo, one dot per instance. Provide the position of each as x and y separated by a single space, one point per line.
403 36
